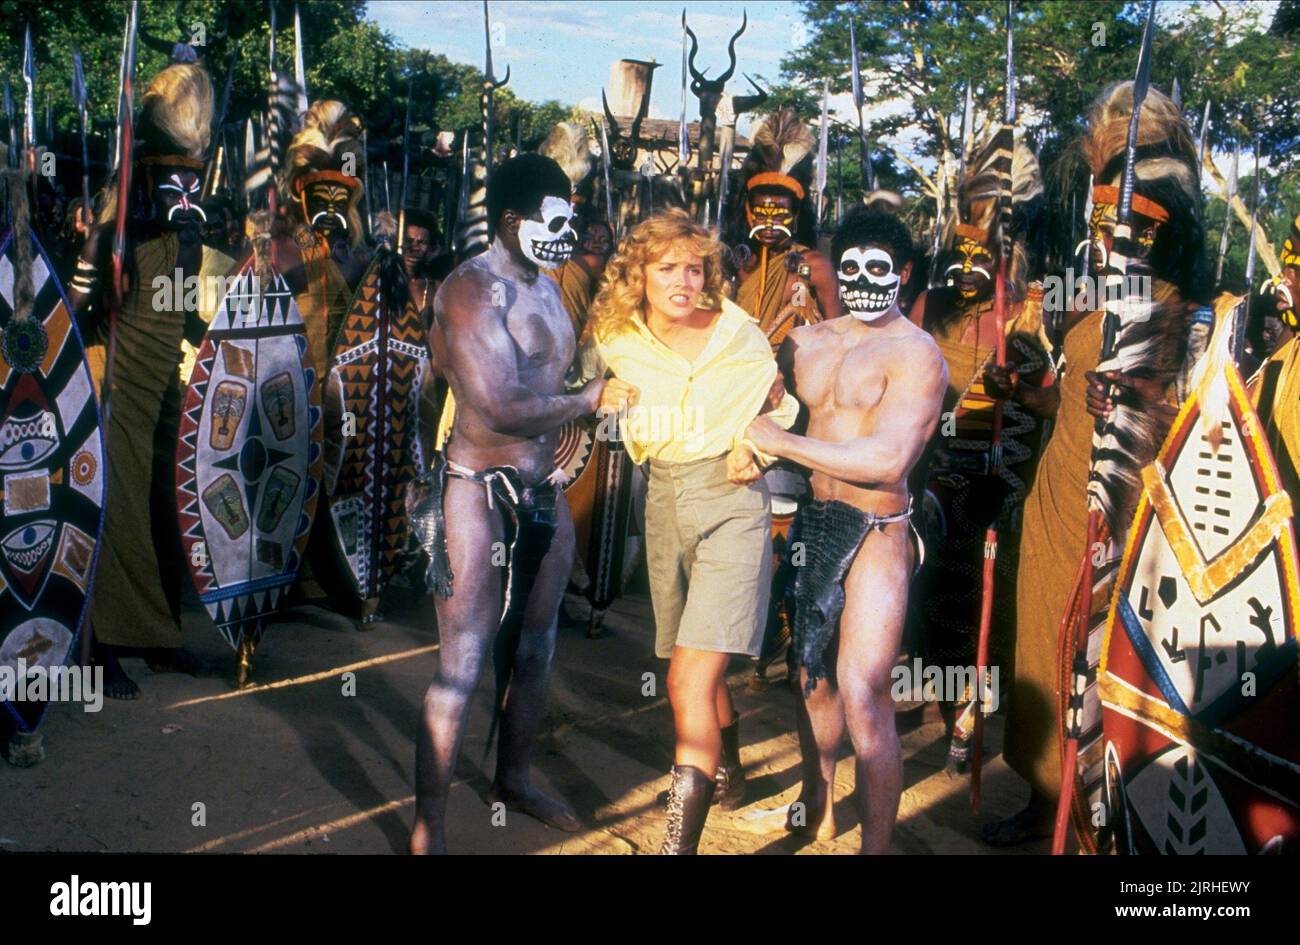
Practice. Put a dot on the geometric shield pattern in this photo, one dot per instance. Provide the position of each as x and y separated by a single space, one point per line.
1199 687
378 364
248 458
51 477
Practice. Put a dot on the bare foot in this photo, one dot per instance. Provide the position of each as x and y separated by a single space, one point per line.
117 684
812 819
530 801
424 842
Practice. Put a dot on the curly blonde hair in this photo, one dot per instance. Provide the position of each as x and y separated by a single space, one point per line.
622 290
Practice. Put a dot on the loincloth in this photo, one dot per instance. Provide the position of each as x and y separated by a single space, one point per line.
528 513
829 535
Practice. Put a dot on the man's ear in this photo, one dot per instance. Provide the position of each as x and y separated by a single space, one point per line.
510 221
905 273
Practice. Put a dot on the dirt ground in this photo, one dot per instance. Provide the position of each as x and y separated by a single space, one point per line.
297 765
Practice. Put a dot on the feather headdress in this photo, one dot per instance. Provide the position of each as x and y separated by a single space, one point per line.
975 213
1153 347
175 122
328 148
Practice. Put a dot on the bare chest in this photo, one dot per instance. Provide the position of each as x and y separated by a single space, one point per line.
540 329
837 375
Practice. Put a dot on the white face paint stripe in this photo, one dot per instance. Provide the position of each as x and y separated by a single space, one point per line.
550 242
865 296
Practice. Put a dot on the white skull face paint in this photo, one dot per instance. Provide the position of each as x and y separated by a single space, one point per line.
549 244
868 282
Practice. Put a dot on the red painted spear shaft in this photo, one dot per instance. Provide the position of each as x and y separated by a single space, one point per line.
990 546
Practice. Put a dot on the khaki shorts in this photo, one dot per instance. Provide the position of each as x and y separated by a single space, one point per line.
709 552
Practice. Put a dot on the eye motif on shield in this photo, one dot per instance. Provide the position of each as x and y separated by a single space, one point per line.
868 283
26 551
27 440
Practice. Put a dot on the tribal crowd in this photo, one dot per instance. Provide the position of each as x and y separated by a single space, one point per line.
828 442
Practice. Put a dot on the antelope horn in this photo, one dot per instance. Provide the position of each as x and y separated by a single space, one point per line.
609 116
731 49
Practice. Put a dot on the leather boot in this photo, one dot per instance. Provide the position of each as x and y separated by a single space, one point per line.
688 807
730 779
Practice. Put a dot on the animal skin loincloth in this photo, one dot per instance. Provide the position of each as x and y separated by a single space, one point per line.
829 535
529 516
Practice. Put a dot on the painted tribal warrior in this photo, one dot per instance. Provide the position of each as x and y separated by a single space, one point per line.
963 495
137 590
325 257
784 283
1149 372
505 344
873 385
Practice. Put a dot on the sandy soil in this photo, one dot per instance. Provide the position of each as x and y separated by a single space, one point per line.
298 766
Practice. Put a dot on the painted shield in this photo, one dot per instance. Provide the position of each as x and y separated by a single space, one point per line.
51 475
378 365
1198 678
248 461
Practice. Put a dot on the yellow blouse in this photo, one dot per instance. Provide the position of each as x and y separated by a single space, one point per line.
689 410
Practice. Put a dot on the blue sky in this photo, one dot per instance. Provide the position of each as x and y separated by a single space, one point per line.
563 50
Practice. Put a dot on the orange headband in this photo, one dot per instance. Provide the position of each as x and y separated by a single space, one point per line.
171 160
336 176
1107 193
773 179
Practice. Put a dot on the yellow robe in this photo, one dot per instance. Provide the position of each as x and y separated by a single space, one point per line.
137 582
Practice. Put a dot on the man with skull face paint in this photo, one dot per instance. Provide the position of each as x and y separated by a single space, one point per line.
136 607
504 343
962 496
873 385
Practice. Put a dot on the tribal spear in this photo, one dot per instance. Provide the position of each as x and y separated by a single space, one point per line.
217 141
125 159
1006 136
1239 317
79 102
29 100
490 84
604 169
406 167
299 68
9 121
1118 305
683 141
1227 216
868 173
1202 136
819 180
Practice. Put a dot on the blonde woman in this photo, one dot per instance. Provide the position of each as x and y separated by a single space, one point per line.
691 371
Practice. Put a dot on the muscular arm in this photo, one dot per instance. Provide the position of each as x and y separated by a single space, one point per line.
482 358
907 415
